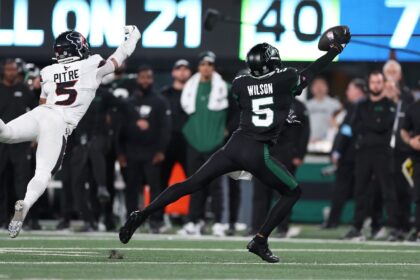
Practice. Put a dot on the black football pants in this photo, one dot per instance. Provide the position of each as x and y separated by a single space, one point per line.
403 191
213 190
140 173
240 153
342 192
367 165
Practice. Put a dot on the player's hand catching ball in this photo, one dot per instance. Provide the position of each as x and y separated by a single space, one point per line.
336 37
132 30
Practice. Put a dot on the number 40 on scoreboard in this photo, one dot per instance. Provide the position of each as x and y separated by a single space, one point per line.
292 26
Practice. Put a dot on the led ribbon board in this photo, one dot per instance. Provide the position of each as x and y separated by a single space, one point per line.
293 25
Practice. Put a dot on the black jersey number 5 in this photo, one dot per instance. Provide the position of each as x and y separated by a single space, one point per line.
66 88
263 117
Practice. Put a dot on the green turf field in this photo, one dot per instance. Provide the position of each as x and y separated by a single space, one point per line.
85 256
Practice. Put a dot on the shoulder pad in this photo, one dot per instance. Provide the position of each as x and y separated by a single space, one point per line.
45 72
240 77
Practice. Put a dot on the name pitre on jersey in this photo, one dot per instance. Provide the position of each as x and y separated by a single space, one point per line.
265 102
70 88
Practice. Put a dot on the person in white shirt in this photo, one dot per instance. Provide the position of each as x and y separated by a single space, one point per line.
68 88
321 109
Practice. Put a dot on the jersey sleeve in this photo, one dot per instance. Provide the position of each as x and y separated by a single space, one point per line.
104 67
234 89
291 75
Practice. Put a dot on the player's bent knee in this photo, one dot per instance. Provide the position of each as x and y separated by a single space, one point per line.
6 135
296 192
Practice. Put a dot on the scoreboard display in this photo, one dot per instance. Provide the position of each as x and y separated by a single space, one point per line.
303 19
174 28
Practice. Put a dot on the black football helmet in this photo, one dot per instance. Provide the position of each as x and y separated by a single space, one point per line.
262 59
70 46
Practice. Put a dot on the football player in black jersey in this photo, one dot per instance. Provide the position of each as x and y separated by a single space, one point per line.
264 96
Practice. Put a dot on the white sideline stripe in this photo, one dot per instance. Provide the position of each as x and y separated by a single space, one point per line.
98 236
206 263
62 255
68 250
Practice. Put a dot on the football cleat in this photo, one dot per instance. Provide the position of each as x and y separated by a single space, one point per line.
135 220
354 234
16 223
261 249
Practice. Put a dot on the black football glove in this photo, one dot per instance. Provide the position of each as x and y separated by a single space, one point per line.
336 37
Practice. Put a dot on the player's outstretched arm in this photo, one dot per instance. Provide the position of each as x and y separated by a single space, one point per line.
334 40
122 52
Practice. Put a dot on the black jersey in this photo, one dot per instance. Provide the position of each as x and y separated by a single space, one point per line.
265 102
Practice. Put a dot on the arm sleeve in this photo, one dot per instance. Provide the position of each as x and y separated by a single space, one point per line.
121 54
306 76
104 69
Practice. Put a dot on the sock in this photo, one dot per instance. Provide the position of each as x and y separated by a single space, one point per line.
279 212
170 195
260 239
36 188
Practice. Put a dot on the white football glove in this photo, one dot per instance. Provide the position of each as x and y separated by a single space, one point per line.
132 30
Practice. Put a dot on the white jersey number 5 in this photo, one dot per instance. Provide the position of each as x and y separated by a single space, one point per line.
263 117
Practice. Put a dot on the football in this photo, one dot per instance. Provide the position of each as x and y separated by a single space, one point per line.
337 34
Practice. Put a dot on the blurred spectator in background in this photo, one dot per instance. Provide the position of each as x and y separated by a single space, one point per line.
393 73
289 150
88 160
15 160
410 133
400 150
205 101
372 128
33 79
176 150
21 74
321 110
234 186
120 84
144 137
343 154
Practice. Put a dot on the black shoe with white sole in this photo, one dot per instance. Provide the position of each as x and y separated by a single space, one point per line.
354 234
260 248
135 220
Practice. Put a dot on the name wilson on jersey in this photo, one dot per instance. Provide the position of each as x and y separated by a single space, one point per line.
261 89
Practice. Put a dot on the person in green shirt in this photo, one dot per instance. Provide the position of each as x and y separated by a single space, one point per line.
205 100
